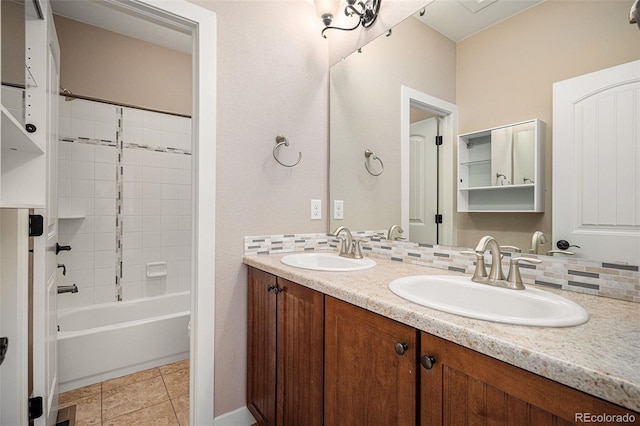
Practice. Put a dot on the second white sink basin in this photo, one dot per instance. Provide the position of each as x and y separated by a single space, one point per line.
327 262
461 296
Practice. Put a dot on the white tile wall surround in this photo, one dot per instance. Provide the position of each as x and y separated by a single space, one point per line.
156 202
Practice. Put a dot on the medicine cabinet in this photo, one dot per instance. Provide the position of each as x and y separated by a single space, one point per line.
502 169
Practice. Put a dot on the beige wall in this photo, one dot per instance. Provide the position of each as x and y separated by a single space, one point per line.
12 42
365 114
505 75
105 65
272 79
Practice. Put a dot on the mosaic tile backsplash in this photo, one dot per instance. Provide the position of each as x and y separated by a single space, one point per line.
582 276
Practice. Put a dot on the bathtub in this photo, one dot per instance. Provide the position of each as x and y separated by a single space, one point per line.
101 342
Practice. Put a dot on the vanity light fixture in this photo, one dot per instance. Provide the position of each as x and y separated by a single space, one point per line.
365 10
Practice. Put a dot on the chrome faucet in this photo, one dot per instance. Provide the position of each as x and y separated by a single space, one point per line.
349 247
537 239
496 276
67 289
488 242
391 231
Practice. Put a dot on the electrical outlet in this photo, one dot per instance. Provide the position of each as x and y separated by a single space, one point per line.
338 209
316 209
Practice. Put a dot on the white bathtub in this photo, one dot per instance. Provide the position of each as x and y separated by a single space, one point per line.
101 342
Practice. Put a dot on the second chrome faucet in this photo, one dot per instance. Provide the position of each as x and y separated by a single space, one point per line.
349 246
496 276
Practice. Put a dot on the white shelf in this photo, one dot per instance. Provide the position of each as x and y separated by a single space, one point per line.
19 205
510 153
476 163
498 187
14 136
71 217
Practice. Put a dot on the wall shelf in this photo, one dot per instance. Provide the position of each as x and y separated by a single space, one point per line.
14 136
502 169
71 217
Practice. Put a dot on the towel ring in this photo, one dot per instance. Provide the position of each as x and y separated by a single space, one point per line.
370 154
281 140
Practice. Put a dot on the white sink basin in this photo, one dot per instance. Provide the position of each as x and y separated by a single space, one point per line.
327 262
461 296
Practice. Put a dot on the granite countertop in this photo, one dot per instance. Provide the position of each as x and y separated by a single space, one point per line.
601 357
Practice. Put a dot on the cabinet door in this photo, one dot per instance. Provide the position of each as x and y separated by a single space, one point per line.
299 355
465 387
366 381
261 347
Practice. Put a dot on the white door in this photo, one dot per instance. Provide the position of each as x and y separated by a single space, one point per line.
423 185
44 113
596 159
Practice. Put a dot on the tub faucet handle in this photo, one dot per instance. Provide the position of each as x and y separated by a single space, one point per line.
60 248
64 268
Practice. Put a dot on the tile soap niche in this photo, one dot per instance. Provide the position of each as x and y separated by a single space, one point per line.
502 169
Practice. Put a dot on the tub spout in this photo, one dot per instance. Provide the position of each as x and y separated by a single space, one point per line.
67 289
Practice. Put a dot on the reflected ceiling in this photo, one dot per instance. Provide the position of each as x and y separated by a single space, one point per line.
459 19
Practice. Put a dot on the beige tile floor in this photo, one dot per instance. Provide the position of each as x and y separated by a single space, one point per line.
158 396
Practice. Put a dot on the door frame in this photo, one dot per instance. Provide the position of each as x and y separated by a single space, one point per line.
201 23
448 187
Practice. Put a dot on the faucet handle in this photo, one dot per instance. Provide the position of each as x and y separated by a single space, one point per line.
356 248
514 278
565 252
511 248
481 269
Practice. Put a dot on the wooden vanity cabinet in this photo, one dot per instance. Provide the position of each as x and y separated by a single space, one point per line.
376 371
370 368
284 351
465 387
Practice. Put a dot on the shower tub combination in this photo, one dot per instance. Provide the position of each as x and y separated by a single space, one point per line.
101 342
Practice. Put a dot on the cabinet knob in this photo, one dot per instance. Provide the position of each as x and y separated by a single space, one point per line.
275 289
401 348
271 288
427 362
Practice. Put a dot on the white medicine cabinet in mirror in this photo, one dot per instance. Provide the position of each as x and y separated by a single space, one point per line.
502 169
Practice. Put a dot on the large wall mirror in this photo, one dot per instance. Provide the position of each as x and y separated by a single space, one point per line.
428 75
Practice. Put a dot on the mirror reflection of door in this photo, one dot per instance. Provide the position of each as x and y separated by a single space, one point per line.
424 176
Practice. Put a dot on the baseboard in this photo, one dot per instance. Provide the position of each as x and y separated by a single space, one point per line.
239 417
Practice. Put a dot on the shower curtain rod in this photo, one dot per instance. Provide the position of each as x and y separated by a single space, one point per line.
70 96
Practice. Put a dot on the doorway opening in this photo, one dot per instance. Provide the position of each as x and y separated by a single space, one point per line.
428 129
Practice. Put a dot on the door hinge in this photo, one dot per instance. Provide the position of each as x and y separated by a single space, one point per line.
35 407
438 218
36 225
438 140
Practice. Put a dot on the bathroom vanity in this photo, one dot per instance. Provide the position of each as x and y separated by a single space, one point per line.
341 348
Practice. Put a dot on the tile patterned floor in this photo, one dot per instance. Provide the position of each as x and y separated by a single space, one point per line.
158 396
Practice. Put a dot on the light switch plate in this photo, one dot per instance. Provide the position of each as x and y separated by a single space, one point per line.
316 209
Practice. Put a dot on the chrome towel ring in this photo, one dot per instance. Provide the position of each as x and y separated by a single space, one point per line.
281 140
370 154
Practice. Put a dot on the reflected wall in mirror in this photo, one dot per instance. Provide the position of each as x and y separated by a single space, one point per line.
502 74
